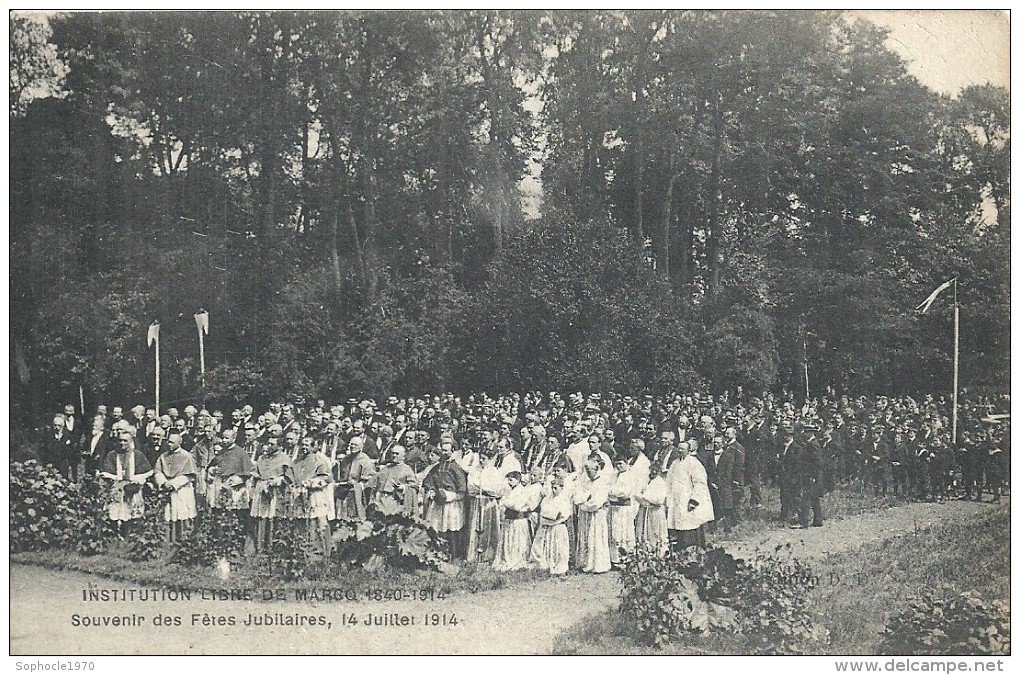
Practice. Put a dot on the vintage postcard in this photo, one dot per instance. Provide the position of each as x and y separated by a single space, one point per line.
510 332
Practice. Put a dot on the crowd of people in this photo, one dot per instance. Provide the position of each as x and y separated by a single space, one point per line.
534 480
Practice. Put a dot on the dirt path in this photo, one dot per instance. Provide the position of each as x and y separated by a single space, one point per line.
522 620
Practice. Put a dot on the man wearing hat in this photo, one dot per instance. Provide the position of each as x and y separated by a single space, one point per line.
900 463
810 477
626 431
729 475
789 449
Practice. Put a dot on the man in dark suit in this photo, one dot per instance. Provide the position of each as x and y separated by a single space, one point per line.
609 444
832 457
967 455
788 452
809 467
93 447
187 438
706 454
730 474
57 448
157 445
74 425
756 450
137 420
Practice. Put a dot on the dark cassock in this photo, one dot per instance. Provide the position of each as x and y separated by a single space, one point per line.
445 487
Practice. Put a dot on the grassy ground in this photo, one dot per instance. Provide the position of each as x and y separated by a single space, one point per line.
856 592
845 502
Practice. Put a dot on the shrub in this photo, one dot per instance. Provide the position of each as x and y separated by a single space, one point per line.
965 624
219 533
94 529
666 597
44 508
393 539
290 552
147 541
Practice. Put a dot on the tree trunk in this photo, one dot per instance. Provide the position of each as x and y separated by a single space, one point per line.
714 210
686 236
496 139
371 277
666 228
359 252
639 180
637 86
334 252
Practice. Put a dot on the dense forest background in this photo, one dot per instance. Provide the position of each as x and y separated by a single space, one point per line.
374 203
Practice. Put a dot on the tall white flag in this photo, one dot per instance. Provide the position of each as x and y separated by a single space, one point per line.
924 306
153 335
202 321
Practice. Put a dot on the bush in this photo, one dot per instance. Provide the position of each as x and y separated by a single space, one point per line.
44 508
291 553
148 541
94 530
965 624
667 597
387 539
219 533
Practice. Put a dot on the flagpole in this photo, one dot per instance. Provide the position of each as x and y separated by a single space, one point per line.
157 374
807 383
202 323
956 358
201 360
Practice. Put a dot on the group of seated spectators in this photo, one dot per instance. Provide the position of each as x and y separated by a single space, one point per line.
534 480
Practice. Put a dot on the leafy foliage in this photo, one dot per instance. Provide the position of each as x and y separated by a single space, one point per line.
387 539
741 350
354 198
44 512
48 511
291 553
149 538
963 624
218 534
575 304
668 596
94 530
